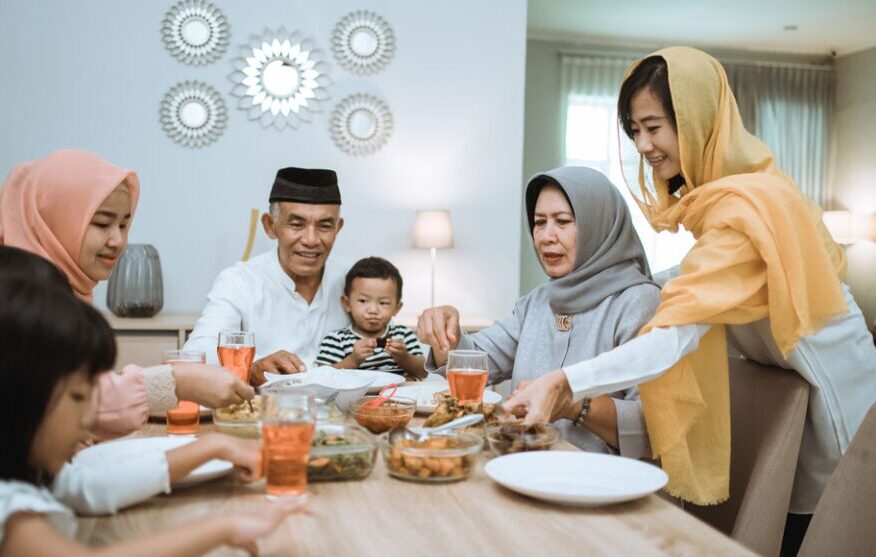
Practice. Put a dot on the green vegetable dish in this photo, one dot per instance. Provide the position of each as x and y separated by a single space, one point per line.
341 452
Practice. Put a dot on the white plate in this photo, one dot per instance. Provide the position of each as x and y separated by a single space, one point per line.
381 378
324 382
115 453
204 413
576 478
423 393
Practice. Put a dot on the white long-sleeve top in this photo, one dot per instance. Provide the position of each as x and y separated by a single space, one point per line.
90 490
258 296
839 362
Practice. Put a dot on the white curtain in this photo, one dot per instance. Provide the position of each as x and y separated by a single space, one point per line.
589 76
789 107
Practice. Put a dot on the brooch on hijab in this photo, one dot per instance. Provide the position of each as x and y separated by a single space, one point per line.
564 322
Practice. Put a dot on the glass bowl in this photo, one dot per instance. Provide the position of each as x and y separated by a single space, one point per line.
514 438
396 412
240 420
445 457
341 452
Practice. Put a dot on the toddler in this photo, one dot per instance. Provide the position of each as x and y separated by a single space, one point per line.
372 297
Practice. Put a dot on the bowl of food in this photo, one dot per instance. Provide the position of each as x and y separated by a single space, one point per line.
241 419
393 413
341 452
445 457
514 437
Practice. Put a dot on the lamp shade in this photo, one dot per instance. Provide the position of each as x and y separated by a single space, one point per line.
432 229
848 227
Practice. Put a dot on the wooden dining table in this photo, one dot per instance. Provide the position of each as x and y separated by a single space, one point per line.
383 516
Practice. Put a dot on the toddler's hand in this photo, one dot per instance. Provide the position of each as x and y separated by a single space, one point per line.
396 348
363 348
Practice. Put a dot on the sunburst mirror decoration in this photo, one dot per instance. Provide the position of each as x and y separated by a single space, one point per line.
193 114
281 79
361 124
195 32
363 42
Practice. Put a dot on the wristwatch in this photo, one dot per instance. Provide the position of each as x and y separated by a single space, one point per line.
582 415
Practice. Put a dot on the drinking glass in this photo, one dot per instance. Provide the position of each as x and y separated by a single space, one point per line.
287 420
185 418
236 351
467 374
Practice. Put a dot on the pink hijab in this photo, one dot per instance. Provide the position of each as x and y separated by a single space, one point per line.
47 204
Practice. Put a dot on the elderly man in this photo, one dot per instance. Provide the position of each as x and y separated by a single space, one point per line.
290 296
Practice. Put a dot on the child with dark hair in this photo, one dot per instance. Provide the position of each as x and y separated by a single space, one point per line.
372 297
54 349
19 263
92 490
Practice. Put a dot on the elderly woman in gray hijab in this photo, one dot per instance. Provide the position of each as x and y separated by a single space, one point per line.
599 296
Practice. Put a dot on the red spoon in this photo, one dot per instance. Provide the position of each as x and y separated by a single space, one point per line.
382 396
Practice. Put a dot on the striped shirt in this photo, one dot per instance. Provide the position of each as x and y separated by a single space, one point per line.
338 345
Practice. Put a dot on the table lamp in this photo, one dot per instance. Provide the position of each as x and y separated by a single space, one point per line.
432 230
849 227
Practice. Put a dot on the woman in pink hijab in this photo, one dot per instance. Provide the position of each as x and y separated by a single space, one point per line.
74 209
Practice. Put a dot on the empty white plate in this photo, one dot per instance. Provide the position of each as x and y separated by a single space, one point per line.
115 453
575 477
423 393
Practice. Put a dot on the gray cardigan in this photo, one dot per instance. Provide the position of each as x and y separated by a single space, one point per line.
527 345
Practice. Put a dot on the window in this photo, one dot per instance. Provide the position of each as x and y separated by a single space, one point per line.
592 140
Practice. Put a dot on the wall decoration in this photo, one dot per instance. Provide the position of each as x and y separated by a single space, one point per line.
281 79
195 32
361 124
193 114
363 42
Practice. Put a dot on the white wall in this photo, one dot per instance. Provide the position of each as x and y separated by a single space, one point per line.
854 182
92 73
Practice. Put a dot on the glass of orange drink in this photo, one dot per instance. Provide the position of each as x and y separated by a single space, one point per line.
236 351
287 421
185 418
467 374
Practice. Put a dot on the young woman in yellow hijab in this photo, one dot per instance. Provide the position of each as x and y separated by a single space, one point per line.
763 273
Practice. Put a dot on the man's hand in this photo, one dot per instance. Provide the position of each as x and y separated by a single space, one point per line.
279 362
212 386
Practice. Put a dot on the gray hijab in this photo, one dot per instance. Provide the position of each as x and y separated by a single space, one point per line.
610 257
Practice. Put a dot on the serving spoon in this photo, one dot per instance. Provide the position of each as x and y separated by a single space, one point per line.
417 433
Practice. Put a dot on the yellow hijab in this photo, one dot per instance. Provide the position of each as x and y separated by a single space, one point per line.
761 252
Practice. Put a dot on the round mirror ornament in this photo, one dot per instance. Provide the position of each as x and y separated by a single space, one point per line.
281 79
193 114
195 32
363 42
361 124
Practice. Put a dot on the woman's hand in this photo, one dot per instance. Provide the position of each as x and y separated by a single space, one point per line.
246 529
542 400
212 386
439 328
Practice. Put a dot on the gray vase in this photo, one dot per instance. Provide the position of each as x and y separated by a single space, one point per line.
135 287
